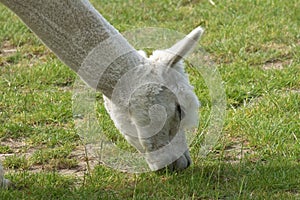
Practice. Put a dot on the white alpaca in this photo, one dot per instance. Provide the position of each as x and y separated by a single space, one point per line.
157 113
181 109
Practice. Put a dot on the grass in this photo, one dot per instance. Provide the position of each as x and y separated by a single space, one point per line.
254 44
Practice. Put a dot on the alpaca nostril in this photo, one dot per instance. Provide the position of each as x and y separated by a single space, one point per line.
188 163
188 158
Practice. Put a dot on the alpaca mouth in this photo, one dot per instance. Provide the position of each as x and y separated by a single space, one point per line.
181 163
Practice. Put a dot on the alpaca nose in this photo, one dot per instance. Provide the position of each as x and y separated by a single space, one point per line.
181 163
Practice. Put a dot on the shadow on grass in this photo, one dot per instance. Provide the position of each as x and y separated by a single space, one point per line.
226 180
276 179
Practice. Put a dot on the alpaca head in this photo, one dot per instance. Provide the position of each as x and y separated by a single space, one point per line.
160 108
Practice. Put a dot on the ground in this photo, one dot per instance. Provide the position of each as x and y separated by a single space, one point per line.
255 47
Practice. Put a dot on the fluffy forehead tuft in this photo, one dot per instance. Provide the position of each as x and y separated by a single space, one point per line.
163 57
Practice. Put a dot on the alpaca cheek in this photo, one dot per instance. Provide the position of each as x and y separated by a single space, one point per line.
147 144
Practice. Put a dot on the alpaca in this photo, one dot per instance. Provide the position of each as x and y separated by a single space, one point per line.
153 116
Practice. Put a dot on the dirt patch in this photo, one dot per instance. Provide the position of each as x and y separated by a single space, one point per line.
19 148
279 62
237 150
24 55
276 64
295 91
7 49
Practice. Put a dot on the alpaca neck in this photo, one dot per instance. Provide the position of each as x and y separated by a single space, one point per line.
72 30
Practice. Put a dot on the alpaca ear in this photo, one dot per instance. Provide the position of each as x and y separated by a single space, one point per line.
184 46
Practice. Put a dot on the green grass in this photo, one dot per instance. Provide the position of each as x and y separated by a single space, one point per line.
254 44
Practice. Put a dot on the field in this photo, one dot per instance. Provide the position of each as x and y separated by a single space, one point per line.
255 46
